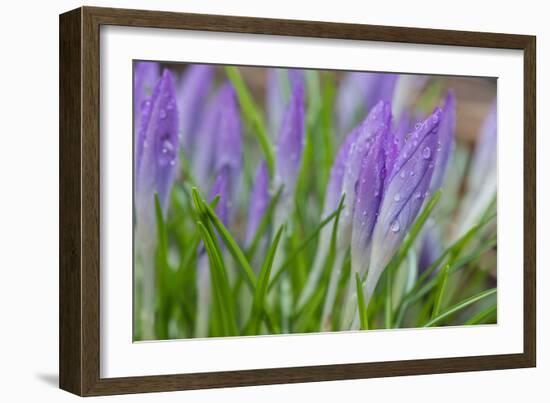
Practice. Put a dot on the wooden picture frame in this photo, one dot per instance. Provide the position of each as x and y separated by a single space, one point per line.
79 348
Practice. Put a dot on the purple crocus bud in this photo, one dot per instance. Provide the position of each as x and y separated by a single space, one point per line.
259 200
279 86
445 143
407 188
368 196
220 138
156 158
332 198
359 92
146 75
157 144
291 143
228 140
193 91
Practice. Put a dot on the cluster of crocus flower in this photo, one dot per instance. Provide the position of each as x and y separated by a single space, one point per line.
386 168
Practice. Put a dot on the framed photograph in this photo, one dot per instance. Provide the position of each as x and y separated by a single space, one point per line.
249 201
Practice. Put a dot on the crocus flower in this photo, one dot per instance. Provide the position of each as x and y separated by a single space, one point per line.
290 146
259 200
220 137
146 75
193 91
367 157
224 151
291 143
359 92
407 188
156 157
280 83
332 198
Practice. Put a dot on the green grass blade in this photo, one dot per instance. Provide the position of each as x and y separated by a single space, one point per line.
461 305
302 246
388 314
258 301
161 227
364 323
220 282
229 242
482 316
441 291
253 116
264 223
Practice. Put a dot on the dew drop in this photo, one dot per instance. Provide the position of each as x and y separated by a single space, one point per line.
417 126
402 174
162 114
435 119
417 195
397 197
376 193
426 153
412 173
394 227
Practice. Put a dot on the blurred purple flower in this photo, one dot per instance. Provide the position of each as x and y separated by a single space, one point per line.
194 88
359 92
220 135
280 83
146 75
259 200
291 143
430 250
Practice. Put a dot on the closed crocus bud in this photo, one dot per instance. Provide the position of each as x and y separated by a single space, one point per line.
407 188
332 198
280 83
156 158
146 75
359 92
259 200
291 143
194 88
220 138
366 152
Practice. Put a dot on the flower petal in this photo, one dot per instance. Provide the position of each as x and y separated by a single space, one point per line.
291 142
445 142
407 188
193 91
156 164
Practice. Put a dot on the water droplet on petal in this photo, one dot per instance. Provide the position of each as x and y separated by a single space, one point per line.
162 113
426 153
417 195
397 197
412 173
394 227
417 126
402 174
435 118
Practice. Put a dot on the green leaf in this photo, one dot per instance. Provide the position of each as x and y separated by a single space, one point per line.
388 314
461 305
444 276
264 222
361 303
253 116
231 244
302 246
220 282
258 301
482 316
